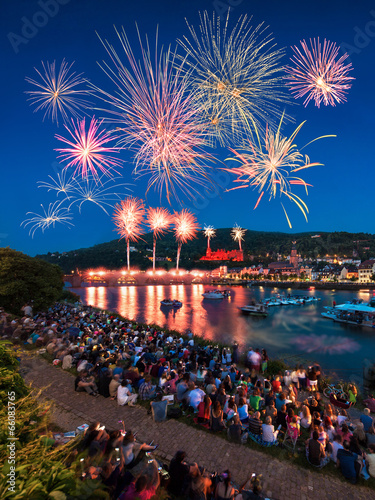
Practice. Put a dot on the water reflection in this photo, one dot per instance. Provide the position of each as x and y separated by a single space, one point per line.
287 330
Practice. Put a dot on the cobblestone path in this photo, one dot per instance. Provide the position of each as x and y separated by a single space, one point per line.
282 480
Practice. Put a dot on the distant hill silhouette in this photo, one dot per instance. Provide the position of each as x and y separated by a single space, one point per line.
263 246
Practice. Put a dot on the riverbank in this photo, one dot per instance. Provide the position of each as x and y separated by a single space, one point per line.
318 285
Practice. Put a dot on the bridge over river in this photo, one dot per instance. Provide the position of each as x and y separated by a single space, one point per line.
123 277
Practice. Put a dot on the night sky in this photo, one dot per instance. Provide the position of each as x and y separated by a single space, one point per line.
342 196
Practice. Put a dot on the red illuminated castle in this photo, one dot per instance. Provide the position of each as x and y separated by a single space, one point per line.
235 255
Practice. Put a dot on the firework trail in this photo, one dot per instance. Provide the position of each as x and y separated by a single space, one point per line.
235 75
54 214
268 167
156 116
128 218
238 234
185 229
159 220
58 92
88 151
209 232
319 74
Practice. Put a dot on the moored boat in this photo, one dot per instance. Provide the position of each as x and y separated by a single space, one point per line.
271 301
214 295
255 310
352 313
171 303
225 293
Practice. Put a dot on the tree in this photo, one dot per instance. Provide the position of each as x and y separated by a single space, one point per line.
27 279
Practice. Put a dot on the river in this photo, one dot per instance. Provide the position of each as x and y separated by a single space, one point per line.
295 333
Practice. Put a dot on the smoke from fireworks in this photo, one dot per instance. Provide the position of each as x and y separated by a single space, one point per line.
185 229
88 151
235 75
156 117
238 234
58 93
318 74
268 168
128 218
159 220
54 214
209 233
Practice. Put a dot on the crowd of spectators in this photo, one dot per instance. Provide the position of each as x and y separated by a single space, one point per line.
128 362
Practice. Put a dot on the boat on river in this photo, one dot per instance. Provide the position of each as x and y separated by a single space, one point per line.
214 295
271 301
289 300
225 293
354 313
170 303
256 309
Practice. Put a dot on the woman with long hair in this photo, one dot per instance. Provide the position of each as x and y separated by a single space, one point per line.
305 417
224 489
216 417
204 406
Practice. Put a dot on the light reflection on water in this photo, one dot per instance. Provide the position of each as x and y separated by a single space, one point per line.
287 331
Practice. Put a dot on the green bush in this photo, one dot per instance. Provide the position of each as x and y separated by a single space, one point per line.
274 366
25 279
41 471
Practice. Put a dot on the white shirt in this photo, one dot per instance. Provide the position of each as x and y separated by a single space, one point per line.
195 397
335 448
341 419
123 394
268 433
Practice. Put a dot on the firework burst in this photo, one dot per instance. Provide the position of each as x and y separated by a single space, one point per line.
88 151
159 220
55 213
319 74
61 184
235 75
58 92
238 234
268 168
209 232
100 192
185 229
156 117
128 218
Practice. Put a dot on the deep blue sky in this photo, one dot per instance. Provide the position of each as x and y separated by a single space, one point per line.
341 199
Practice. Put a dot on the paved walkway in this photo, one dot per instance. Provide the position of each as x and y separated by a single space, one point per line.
282 480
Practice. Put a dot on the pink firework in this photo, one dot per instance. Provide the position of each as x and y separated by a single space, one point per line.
159 220
185 229
128 218
157 117
319 74
88 151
